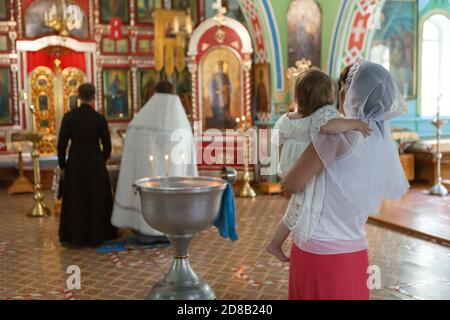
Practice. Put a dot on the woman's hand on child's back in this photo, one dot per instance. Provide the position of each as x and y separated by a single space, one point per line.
363 127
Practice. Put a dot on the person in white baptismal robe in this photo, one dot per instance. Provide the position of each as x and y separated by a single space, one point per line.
158 142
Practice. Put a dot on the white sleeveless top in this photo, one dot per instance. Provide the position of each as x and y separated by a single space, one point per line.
303 212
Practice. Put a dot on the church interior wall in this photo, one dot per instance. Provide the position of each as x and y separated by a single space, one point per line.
336 20
265 19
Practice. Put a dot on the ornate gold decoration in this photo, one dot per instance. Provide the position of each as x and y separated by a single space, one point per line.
72 78
42 98
172 30
57 65
246 190
71 18
220 36
39 209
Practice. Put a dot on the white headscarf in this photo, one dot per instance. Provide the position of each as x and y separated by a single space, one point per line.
371 94
367 170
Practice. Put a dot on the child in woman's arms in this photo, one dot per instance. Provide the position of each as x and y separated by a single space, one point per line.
315 94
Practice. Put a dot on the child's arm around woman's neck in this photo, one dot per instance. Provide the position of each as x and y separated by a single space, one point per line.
294 116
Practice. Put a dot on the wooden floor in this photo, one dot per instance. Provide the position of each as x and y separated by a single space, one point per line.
418 213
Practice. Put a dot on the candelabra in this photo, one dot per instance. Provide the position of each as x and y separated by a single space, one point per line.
39 209
71 18
438 189
246 190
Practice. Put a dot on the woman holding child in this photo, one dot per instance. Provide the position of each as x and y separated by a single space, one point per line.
344 172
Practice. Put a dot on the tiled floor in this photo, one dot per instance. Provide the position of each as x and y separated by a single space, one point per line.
33 265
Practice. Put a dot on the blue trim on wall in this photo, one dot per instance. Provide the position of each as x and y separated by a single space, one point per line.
336 32
276 44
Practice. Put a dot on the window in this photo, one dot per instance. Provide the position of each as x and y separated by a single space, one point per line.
435 66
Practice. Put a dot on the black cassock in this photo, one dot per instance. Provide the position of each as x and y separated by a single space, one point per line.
86 196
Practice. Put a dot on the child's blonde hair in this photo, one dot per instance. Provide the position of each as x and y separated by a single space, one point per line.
313 90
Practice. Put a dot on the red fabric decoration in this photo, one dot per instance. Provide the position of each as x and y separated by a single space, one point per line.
2 141
116 28
46 58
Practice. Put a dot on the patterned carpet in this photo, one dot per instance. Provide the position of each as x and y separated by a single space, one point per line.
33 265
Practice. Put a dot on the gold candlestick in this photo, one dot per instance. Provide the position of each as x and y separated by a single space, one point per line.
246 190
39 209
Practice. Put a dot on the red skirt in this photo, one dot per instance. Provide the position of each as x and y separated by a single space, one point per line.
328 276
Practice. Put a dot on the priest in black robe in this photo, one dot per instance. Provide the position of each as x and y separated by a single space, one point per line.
86 196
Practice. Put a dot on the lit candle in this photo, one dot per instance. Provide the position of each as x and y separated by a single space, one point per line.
152 172
238 121
166 157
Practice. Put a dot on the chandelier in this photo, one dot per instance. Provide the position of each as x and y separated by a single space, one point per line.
67 18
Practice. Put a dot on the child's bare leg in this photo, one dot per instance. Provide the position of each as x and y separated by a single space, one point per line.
275 245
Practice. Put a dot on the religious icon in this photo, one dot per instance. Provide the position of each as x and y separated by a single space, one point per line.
144 10
220 86
233 8
394 43
44 123
38 11
122 46
147 84
3 43
221 89
5 100
43 102
304 32
114 9
169 31
108 45
262 88
116 91
3 10
145 45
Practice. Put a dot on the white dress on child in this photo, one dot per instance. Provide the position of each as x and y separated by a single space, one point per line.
303 212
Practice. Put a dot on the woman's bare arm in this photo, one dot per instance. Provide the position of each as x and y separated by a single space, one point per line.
304 169
336 126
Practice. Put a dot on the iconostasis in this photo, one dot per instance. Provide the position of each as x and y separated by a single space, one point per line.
124 47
